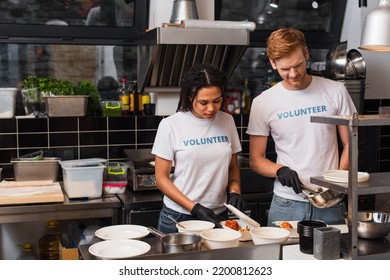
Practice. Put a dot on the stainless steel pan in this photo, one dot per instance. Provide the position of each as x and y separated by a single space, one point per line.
178 242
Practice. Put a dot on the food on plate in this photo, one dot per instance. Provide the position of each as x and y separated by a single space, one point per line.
232 224
284 224
245 229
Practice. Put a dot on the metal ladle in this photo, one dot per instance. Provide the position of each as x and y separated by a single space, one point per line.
176 222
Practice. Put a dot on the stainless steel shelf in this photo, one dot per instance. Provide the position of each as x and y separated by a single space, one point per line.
360 120
378 183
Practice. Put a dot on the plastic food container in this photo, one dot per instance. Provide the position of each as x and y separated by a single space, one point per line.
32 170
269 235
7 102
111 108
82 180
218 238
115 178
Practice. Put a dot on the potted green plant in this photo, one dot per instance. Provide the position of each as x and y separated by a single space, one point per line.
63 98
85 87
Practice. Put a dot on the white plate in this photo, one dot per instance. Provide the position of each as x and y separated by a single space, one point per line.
116 249
341 176
122 232
246 235
293 230
242 216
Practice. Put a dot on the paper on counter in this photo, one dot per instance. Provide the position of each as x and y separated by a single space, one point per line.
218 24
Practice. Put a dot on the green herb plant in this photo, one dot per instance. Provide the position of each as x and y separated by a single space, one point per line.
50 86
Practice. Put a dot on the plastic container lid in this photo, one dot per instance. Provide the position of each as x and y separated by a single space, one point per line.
82 162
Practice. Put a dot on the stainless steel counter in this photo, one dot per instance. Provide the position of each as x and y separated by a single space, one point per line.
105 206
245 251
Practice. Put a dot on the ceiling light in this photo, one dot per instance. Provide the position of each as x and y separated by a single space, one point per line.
376 32
274 3
317 4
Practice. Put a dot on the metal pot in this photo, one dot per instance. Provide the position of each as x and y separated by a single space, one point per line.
322 198
178 242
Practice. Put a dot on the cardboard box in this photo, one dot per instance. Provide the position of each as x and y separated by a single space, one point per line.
69 253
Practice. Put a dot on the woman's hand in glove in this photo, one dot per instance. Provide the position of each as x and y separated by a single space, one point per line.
206 214
288 177
237 201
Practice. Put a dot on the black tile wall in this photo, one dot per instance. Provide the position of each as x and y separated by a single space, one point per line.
122 137
123 123
92 124
32 125
63 124
93 138
75 138
8 140
7 126
93 152
63 139
108 137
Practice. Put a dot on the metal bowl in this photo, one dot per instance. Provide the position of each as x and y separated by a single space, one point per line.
356 66
372 224
336 60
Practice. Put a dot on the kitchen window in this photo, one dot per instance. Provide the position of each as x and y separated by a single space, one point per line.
71 39
321 21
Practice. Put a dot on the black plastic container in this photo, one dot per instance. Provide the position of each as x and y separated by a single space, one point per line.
305 230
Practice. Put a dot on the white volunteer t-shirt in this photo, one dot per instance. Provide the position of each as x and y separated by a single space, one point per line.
306 147
202 150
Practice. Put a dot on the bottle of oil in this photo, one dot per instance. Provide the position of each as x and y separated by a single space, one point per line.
133 90
245 98
27 252
49 243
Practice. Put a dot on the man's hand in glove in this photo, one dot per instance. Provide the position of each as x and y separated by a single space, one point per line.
289 178
206 214
237 201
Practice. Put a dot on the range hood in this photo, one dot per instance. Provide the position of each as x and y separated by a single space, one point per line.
166 53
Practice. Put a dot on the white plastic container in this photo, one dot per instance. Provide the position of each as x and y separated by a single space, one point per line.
83 182
7 102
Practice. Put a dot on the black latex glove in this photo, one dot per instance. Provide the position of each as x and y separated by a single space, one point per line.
289 178
237 201
206 214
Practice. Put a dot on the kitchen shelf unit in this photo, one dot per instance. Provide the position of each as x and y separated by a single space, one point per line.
377 184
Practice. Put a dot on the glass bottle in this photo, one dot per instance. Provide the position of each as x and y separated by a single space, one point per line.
145 99
133 90
49 243
245 98
27 252
124 97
